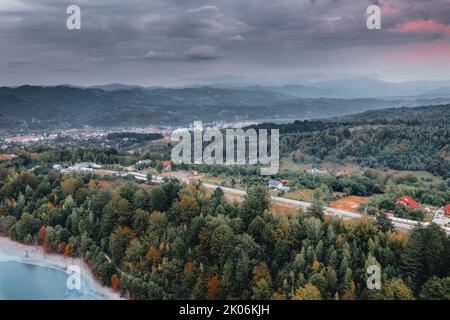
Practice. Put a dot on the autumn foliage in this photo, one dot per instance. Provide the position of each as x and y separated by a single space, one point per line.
115 282
213 288
41 234
153 254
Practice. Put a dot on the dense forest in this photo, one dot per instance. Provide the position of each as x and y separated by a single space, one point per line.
400 139
173 242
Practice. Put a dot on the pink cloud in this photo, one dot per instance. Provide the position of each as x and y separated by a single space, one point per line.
431 52
387 8
423 26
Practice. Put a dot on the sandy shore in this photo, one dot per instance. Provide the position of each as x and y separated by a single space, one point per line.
11 251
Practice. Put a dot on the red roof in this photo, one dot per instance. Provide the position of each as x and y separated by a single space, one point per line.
407 200
447 209
167 163
389 214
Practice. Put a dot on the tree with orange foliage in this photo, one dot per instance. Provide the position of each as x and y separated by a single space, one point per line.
92 185
115 282
68 250
188 268
41 234
153 254
213 288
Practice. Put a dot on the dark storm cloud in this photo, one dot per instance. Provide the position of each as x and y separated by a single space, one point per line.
149 42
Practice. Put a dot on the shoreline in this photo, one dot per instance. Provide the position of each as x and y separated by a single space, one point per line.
12 251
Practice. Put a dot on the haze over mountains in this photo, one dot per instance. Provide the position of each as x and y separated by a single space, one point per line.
363 87
39 108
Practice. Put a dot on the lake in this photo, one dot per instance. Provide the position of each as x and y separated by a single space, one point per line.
19 281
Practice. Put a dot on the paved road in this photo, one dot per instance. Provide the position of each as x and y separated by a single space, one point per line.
401 224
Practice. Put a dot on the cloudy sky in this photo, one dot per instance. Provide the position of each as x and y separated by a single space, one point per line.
180 42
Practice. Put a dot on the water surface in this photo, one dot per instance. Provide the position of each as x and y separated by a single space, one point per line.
20 281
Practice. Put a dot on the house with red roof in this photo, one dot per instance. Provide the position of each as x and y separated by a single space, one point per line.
447 209
408 201
167 165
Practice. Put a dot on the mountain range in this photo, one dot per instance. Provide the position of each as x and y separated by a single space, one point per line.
363 87
44 107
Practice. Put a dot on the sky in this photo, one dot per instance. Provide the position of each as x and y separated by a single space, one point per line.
182 42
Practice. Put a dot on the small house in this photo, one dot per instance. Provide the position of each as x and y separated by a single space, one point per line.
408 201
167 165
389 214
447 210
57 167
441 218
273 184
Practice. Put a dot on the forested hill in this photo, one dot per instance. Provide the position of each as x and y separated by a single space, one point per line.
440 113
400 139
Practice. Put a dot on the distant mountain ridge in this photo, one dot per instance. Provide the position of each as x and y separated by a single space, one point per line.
40 108
438 113
364 88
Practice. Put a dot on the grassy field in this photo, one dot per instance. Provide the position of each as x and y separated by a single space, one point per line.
306 195
350 169
288 164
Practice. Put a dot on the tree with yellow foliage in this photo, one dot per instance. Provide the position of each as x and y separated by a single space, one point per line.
392 289
187 208
307 292
153 254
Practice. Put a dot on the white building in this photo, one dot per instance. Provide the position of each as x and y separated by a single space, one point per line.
316 171
57 167
440 218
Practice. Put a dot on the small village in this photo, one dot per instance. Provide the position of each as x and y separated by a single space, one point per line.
142 171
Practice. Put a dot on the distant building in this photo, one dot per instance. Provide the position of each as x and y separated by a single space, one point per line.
141 164
283 187
84 166
144 162
316 171
389 214
441 218
273 184
447 209
167 165
408 201
57 167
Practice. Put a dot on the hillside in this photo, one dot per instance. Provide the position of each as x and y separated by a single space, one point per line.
400 139
425 113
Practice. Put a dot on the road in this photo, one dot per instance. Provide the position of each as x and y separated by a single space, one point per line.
398 223
401 224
